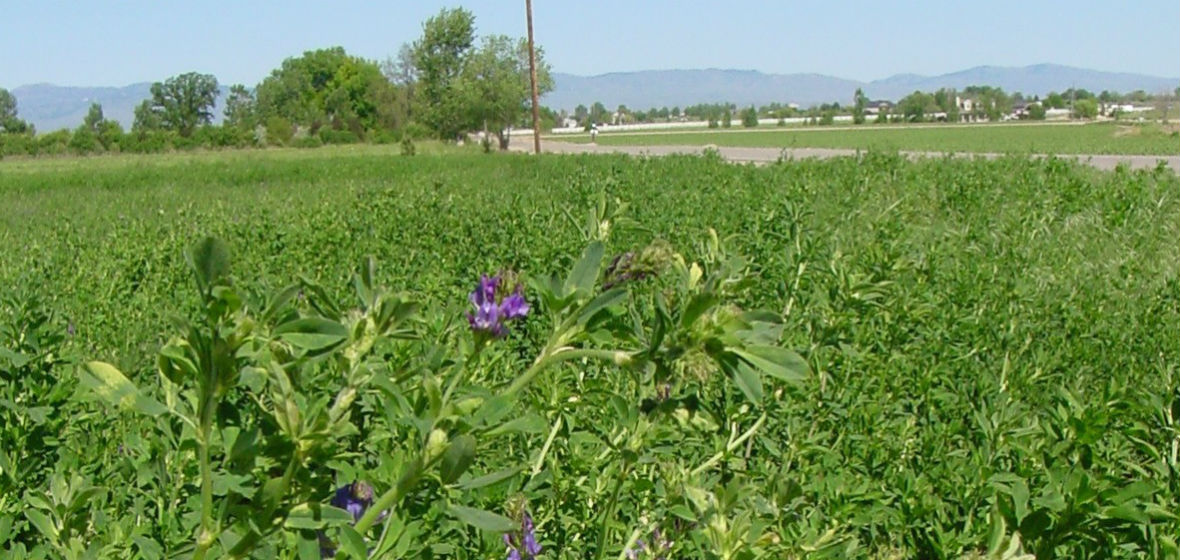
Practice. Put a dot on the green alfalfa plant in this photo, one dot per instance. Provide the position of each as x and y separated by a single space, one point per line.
265 354
259 357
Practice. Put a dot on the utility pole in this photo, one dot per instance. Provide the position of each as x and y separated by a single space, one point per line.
528 6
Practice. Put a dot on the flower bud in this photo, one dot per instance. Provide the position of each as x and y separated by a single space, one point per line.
468 405
436 444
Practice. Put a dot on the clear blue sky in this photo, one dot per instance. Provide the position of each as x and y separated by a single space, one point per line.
115 43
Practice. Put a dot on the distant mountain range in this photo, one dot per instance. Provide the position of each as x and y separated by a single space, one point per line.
51 107
669 88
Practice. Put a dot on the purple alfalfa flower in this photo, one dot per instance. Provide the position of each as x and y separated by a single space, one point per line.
487 319
70 328
529 534
634 552
523 545
514 306
513 552
354 498
659 541
485 291
493 309
659 545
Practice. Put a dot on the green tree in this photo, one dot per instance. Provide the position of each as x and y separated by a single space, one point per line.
749 117
398 109
96 128
1085 108
598 112
1036 112
147 118
185 102
1055 100
581 114
916 106
990 102
1108 97
548 117
9 123
439 57
947 100
94 117
1074 94
622 114
997 104
7 105
727 118
859 102
240 108
355 96
328 87
497 86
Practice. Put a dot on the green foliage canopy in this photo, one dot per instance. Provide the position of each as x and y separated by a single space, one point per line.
496 83
184 102
440 56
325 86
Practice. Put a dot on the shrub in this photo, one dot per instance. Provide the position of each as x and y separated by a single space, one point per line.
147 142
109 134
417 131
278 131
54 143
84 141
197 140
307 142
330 136
385 137
18 145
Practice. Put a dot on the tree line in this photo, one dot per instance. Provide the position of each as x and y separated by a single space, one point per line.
973 103
445 84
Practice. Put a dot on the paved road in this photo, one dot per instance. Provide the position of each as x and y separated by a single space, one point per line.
768 155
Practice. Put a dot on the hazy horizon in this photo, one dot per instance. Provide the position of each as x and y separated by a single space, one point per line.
78 45
645 70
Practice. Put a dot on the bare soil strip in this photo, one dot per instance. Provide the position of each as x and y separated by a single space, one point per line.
770 155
